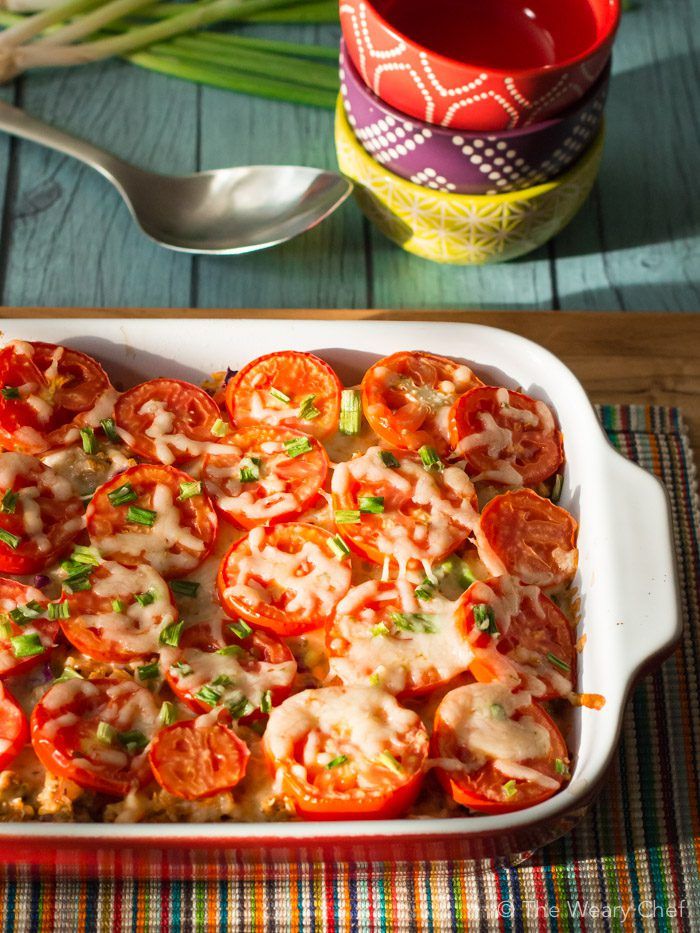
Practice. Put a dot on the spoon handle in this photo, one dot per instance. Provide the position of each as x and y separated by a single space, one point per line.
18 123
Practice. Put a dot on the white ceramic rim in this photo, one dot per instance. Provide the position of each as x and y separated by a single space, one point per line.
627 575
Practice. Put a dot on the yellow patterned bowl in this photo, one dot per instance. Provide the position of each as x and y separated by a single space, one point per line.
463 229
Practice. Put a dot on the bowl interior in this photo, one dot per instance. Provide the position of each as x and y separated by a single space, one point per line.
513 36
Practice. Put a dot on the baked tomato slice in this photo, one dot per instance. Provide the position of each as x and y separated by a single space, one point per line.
96 733
120 614
407 398
26 635
220 664
167 420
198 759
534 539
14 728
519 637
39 514
505 437
269 476
382 634
286 579
155 514
47 393
342 752
499 750
290 389
390 506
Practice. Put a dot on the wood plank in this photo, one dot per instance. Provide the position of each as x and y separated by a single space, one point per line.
620 358
70 238
636 246
326 266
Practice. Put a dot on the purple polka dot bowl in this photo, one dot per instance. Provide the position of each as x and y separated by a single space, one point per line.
462 162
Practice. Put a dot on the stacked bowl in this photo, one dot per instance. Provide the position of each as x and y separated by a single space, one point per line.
473 129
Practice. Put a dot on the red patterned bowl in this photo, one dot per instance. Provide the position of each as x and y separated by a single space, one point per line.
447 92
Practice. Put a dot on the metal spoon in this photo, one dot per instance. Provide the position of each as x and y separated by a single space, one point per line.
228 210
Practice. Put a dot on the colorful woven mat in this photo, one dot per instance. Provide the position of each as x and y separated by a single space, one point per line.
633 863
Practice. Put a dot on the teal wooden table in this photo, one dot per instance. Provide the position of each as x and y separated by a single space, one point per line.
66 238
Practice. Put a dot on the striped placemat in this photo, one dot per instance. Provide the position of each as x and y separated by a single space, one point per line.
632 863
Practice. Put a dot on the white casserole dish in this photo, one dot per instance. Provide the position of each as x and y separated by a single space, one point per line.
630 608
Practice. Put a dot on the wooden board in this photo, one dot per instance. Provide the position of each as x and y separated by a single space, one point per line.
67 239
620 358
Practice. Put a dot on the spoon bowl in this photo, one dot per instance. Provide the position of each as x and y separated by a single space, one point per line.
224 211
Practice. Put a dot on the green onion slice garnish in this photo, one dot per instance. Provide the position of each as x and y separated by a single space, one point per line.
557 662
239 706
148 671
266 702
106 733
510 789
413 622
425 591
347 516
110 428
171 634
181 668
339 547
122 495
189 490
209 694
497 711
26 646
9 502
430 459
485 618
561 767
138 516
59 611
87 436
280 396
350 412
9 539
22 614
77 582
68 673
184 587
388 761
86 555
375 680
145 599
219 428
232 650
340 760
307 409
133 741
373 505
10 392
379 630
296 446
388 459
118 605
240 629
168 714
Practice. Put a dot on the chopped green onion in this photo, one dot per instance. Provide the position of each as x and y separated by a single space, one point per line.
219 428
374 680
388 760
87 436
557 662
373 505
86 555
122 495
266 702
9 539
555 495
296 446
497 711
26 646
59 611
430 459
10 392
189 490
9 502
560 767
279 395
138 516
75 569
241 629
350 412
184 587
460 570
339 547
5 629
232 650
22 614
240 706
340 760
347 516
106 733
378 630
307 409
77 583
249 469
145 599
148 671
133 741
118 605
110 428
413 622
171 634
168 713
388 459
68 673
485 618
223 680
510 789
425 591
181 668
